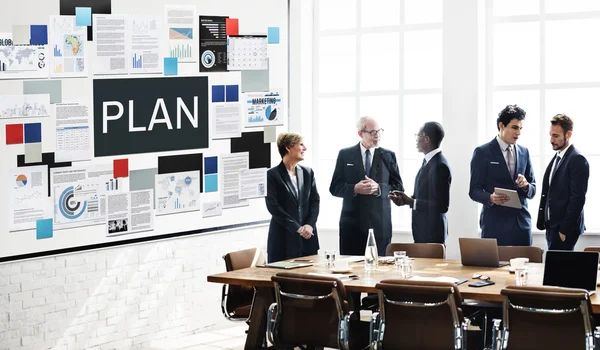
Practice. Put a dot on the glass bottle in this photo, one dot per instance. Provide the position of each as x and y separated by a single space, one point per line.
371 255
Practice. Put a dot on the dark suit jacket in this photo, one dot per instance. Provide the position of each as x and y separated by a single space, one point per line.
361 212
566 194
290 211
432 194
509 226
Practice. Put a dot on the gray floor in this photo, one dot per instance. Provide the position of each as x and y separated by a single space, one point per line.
225 335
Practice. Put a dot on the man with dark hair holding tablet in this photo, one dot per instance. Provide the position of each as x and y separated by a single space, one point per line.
501 163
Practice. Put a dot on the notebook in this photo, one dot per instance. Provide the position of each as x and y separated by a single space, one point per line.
448 279
571 269
480 252
288 265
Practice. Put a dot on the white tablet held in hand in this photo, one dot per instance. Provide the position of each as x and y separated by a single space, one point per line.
513 196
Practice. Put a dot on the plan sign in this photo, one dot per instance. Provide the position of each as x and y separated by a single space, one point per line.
150 115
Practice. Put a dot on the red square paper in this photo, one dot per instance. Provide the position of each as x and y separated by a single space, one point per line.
232 26
120 168
14 134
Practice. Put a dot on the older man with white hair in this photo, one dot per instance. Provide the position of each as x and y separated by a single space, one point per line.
364 175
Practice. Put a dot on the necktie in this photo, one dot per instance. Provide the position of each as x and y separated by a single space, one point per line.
547 208
556 163
511 160
423 164
368 162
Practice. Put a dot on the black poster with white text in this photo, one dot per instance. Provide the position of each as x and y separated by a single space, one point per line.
150 115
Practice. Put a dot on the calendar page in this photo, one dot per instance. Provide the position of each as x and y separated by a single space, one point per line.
247 52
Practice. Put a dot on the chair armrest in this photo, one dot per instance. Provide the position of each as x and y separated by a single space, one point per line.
271 322
597 338
497 342
376 330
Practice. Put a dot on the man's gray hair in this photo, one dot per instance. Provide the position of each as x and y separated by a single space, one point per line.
362 122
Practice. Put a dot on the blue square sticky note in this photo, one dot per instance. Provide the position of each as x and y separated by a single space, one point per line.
211 183
171 65
232 93
38 35
273 35
83 16
43 228
210 165
218 93
33 132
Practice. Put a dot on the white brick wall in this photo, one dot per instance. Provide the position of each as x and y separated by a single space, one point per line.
119 298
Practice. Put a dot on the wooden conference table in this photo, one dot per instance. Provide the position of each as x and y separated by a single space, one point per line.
260 278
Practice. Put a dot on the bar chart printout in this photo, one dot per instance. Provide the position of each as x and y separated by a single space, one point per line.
180 26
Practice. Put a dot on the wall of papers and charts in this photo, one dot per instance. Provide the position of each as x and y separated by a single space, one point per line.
122 125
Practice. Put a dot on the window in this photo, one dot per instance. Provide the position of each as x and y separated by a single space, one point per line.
540 58
381 58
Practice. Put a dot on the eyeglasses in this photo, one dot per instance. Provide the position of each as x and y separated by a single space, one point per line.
477 276
373 132
418 136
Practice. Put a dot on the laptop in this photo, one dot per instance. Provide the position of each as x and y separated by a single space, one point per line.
480 252
571 269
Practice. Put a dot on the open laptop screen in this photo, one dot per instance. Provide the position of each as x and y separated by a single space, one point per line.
571 269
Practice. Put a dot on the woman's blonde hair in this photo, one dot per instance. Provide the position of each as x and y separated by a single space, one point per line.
285 140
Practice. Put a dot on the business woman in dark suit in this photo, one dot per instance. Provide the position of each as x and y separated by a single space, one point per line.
293 201
431 197
564 188
504 164
363 176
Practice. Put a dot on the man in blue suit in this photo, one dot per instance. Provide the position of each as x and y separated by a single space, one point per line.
564 188
431 196
501 163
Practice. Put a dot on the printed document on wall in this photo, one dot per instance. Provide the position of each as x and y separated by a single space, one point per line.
263 109
230 167
145 44
78 204
22 61
20 106
73 131
110 36
68 47
130 212
253 183
226 121
177 192
247 52
28 202
180 26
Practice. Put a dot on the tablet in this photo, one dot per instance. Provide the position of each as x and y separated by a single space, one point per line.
513 201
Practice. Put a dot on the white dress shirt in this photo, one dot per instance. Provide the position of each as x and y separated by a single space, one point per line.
504 148
560 154
363 151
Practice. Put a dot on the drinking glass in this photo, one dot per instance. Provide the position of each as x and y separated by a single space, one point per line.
398 258
330 257
521 276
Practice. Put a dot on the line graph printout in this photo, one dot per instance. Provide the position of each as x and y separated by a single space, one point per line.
180 26
110 35
28 189
144 32
68 47
19 106
177 192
